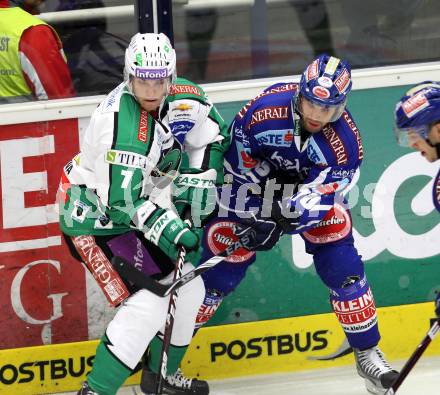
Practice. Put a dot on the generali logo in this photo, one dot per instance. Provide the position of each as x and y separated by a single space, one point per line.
143 127
269 113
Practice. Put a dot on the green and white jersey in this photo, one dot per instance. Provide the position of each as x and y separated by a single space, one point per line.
105 189
198 126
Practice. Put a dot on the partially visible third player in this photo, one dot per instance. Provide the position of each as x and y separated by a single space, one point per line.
417 117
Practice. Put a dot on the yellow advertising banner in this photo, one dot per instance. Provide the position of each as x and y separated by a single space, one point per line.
300 343
47 369
283 345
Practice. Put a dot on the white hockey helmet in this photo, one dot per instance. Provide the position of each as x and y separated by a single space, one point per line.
150 56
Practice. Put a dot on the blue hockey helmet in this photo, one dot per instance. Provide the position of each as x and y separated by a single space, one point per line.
326 82
417 111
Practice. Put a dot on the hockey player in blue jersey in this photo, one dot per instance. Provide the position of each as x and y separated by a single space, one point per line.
417 117
295 152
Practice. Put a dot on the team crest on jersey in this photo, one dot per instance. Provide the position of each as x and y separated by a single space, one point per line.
415 104
333 227
220 236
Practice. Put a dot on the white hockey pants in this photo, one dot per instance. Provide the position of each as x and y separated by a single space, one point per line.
143 314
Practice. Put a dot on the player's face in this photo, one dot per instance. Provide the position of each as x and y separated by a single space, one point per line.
434 134
314 116
418 143
150 93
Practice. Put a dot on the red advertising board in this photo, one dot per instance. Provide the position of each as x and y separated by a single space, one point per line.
42 289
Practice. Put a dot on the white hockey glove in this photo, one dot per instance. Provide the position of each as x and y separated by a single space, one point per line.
166 230
197 190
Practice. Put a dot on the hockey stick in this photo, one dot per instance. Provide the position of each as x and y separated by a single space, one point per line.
169 322
129 272
423 345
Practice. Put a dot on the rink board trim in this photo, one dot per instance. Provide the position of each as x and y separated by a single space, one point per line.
220 92
263 347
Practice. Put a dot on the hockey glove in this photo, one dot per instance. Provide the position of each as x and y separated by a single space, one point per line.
198 191
284 216
437 304
166 230
263 233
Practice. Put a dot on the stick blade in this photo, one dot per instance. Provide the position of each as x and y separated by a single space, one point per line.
139 279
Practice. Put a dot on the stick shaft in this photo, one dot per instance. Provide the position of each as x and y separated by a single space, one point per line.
409 365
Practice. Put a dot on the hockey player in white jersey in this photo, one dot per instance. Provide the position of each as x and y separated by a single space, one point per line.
107 206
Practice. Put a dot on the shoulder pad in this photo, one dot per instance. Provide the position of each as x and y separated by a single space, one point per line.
185 89
351 127
184 115
111 101
164 135
281 87
263 98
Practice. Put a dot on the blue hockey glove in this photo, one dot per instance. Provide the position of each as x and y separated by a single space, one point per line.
284 216
263 233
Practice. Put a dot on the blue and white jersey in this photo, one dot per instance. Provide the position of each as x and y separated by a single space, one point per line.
267 140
